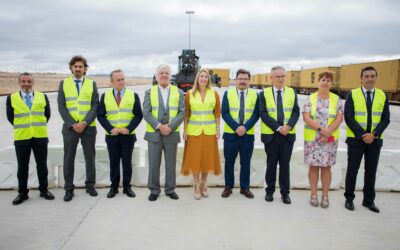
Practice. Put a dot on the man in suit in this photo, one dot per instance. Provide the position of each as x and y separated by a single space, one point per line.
279 112
367 115
78 100
163 110
120 113
29 111
240 113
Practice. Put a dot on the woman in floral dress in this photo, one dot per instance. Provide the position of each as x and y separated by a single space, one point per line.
322 114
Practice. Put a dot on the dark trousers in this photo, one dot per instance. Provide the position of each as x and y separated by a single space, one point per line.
88 142
231 149
23 153
120 148
356 149
278 150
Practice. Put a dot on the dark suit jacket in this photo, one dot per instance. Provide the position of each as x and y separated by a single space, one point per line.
272 123
67 118
356 128
225 111
10 118
101 117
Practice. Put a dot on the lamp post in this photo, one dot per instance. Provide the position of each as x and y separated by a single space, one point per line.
189 12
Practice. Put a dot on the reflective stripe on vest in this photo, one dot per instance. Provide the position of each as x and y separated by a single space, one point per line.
78 106
29 123
202 117
360 109
288 104
173 104
119 117
234 107
310 133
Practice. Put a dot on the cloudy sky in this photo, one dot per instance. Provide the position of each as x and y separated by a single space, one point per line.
42 35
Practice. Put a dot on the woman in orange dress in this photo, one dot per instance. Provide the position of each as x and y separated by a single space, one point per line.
201 133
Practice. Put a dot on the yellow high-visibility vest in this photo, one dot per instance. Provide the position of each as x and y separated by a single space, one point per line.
234 107
29 123
202 118
119 117
310 133
288 104
173 104
360 109
78 106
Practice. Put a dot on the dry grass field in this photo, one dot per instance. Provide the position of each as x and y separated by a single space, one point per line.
47 82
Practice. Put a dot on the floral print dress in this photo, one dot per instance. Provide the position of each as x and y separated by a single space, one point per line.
316 153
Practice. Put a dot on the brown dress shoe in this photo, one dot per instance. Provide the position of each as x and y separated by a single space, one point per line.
247 193
227 191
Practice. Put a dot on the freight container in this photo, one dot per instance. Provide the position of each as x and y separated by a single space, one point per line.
388 77
223 73
292 78
309 79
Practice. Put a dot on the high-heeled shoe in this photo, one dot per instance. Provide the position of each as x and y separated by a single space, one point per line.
197 194
324 202
314 201
203 190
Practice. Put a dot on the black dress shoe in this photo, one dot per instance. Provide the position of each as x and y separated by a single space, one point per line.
173 196
47 195
112 192
371 206
91 191
68 195
129 192
227 192
247 193
153 197
286 199
269 197
20 198
349 205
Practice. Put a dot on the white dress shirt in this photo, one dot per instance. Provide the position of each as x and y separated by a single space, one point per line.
276 93
80 83
23 94
366 95
164 93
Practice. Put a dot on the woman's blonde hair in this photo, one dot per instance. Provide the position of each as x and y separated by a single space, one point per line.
196 81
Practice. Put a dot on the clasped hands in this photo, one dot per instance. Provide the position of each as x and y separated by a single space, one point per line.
120 131
241 131
325 134
79 127
368 138
284 130
165 129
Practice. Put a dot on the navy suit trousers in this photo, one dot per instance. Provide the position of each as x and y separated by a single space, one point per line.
120 148
244 147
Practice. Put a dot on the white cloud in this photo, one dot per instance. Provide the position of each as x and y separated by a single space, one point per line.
138 35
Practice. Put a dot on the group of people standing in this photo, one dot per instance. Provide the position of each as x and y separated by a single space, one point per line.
165 108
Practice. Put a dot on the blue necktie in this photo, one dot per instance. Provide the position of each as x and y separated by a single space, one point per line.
369 110
28 101
77 85
279 106
241 110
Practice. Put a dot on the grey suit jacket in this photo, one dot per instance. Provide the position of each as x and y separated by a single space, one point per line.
67 118
163 118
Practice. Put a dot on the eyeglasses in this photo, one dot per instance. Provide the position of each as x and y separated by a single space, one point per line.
242 79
